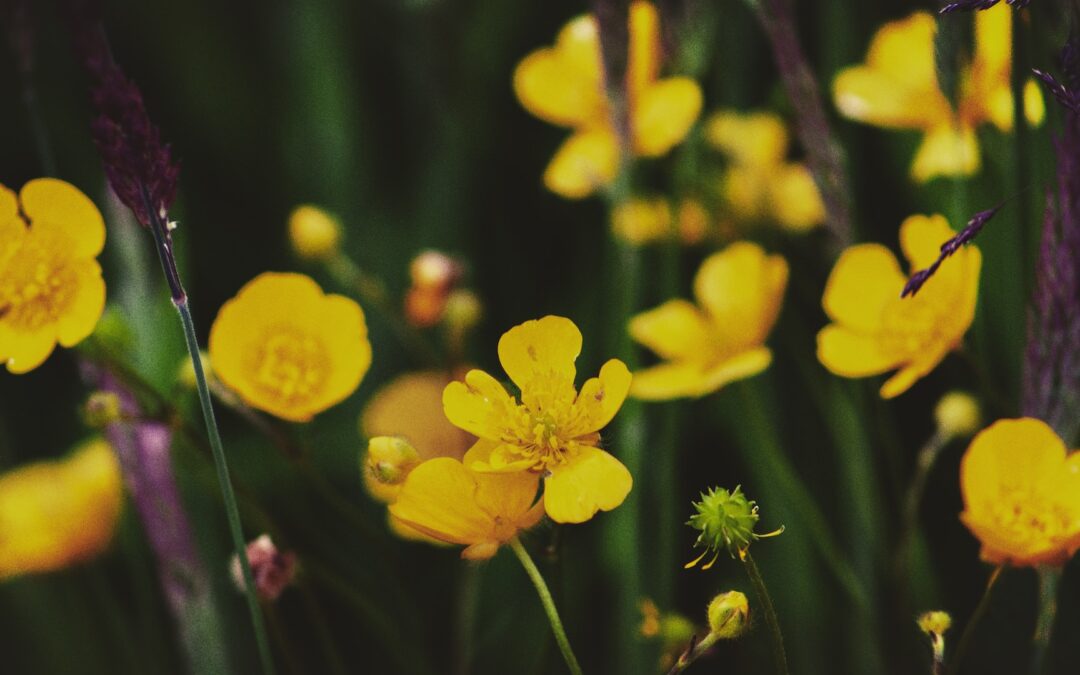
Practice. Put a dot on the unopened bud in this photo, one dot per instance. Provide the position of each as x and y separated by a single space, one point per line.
313 233
958 414
101 409
390 459
935 625
272 570
434 270
729 615
424 306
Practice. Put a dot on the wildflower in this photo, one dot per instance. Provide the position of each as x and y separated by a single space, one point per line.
641 220
434 276
480 510
957 414
726 521
563 85
314 233
287 348
57 513
51 288
729 615
554 430
273 570
760 183
874 330
934 625
739 293
897 88
1021 491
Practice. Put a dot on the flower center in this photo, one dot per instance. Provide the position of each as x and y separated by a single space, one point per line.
1026 516
911 326
292 366
37 287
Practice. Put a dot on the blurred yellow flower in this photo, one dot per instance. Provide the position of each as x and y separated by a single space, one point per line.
563 85
874 330
897 88
739 292
56 513
51 288
1021 492
760 183
478 509
314 233
554 430
647 220
287 348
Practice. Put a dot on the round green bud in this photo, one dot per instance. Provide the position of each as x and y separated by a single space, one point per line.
726 520
729 615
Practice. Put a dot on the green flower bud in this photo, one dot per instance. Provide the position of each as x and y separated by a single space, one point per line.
729 615
390 459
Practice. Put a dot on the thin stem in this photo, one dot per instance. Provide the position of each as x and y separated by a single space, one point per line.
976 616
1044 628
548 603
924 464
696 650
467 601
779 655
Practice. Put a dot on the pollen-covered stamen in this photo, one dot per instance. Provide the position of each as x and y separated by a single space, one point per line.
292 366
1030 517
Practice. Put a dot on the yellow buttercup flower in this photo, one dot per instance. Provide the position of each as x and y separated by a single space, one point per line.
51 288
739 292
1021 492
760 184
554 430
481 510
287 348
314 233
57 513
874 330
897 88
563 85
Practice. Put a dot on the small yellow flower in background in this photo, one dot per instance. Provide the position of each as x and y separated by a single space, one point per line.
957 414
287 348
480 510
760 184
57 513
647 220
874 330
51 288
563 85
739 292
1021 492
554 430
897 88
314 233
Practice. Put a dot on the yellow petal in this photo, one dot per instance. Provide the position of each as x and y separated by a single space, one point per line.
664 114
540 349
738 367
1034 104
559 85
746 192
85 306
851 354
674 330
946 151
23 350
742 289
865 280
591 481
411 406
64 206
795 198
495 457
1014 453
993 48
921 238
600 398
669 381
438 499
586 161
758 140
480 405
914 371
644 46
9 205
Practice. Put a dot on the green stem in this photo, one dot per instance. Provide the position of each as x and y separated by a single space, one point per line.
467 601
696 651
1049 578
779 655
924 463
548 603
976 616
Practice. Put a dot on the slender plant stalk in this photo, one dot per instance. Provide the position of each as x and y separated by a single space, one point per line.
779 655
548 603
1049 578
696 650
976 616
923 464
159 228
467 601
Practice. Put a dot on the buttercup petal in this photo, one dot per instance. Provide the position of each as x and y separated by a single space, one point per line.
946 151
1012 453
586 161
852 354
674 330
664 114
738 367
591 481
667 381
795 198
86 305
494 457
9 205
911 373
480 405
540 349
741 288
438 498
601 397
758 139
921 238
63 205
25 350
644 54
558 88
865 280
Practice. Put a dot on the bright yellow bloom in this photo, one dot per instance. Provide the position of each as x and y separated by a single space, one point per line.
760 183
287 348
56 513
897 88
563 85
478 509
51 288
314 233
722 339
647 220
874 330
554 430
1021 492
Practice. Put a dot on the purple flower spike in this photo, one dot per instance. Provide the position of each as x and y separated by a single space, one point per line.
974 5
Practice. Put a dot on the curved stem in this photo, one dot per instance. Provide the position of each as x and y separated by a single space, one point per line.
548 603
976 616
696 650
1048 585
779 655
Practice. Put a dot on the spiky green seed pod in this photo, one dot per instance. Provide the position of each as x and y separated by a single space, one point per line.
726 521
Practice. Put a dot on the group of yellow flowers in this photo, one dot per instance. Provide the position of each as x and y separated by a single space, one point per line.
462 460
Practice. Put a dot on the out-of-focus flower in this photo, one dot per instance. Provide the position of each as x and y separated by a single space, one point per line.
1021 492
554 430
739 292
314 233
897 88
434 276
957 414
934 625
874 330
57 513
563 85
760 182
273 570
287 348
726 521
101 409
480 510
647 220
671 629
51 288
